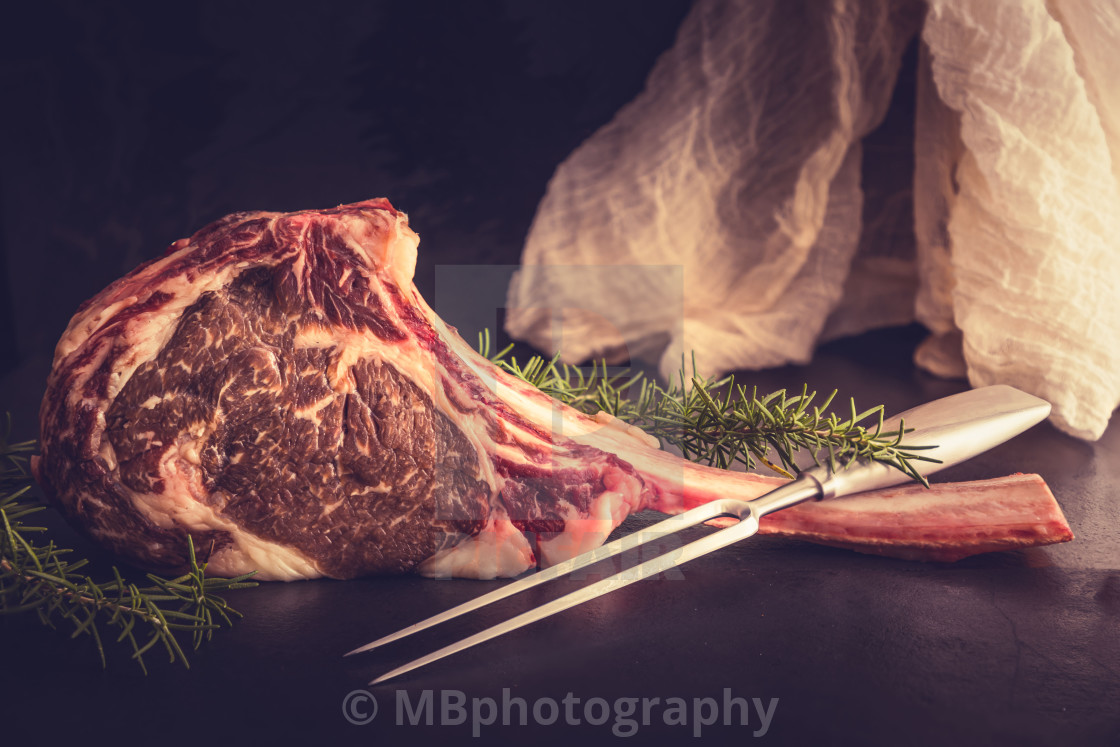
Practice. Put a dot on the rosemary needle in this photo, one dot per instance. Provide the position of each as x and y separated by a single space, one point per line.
41 578
717 421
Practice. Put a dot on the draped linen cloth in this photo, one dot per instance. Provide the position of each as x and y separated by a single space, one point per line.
741 165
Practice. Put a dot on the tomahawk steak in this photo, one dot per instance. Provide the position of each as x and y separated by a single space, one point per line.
276 388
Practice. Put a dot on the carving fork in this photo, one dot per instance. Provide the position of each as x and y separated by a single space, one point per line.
962 426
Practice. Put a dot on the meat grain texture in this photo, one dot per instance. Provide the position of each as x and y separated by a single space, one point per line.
276 388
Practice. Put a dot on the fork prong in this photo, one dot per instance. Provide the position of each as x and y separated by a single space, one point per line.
747 526
663 528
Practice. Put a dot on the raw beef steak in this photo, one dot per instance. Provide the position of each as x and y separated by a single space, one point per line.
276 388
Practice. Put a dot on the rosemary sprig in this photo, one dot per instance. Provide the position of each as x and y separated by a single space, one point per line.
719 422
41 578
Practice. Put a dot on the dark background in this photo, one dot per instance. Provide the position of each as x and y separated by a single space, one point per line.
126 127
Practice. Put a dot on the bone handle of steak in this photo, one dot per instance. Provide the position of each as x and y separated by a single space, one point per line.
673 482
944 522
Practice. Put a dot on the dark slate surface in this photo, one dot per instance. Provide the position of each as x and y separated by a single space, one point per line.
125 129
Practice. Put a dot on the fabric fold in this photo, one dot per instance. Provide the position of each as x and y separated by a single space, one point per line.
741 175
